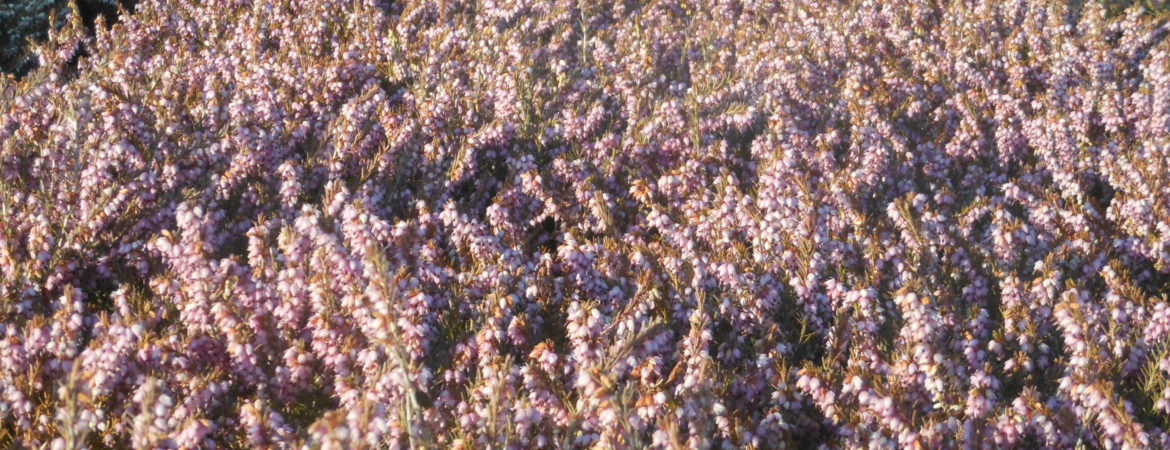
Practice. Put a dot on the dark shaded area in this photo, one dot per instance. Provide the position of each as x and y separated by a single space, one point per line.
21 23
543 236
19 66
475 193
72 68
307 408
90 10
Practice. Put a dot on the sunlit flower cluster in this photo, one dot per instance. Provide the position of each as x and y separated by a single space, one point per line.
511 224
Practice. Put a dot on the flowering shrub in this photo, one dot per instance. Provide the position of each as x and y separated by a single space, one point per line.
341 223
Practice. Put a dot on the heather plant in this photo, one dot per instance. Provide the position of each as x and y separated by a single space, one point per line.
501 224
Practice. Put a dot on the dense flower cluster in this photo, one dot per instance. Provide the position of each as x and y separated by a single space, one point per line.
730 223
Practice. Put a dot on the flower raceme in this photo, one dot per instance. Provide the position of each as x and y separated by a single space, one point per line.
559 224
